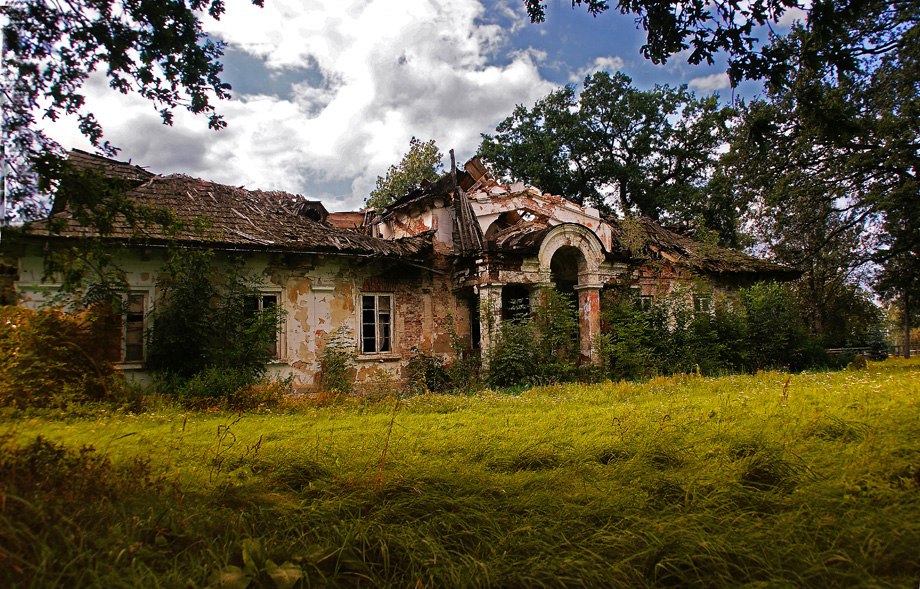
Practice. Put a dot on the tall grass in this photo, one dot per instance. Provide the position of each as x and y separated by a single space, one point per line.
764 480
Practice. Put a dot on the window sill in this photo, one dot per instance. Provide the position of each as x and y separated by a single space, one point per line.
379 358
130 366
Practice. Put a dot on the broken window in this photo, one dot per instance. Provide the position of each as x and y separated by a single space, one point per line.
645 303
134 305
376 323
702 305
265 302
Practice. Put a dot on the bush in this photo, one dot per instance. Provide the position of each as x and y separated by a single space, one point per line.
427 373
540 349
337 362
755 329
430 373
202 326
215 382
50 358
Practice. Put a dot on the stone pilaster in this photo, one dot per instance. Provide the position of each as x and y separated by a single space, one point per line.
589 318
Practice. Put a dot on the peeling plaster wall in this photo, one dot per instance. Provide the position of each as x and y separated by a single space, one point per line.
420 218
490 205
318 295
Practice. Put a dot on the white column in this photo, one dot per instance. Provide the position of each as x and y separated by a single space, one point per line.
490 317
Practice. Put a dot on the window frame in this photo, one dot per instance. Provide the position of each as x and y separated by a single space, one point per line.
645 303
378 332
145 325
280 338
702 304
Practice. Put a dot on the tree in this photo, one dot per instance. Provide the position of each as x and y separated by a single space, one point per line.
50 48
834 151
422 162
650 152
704 29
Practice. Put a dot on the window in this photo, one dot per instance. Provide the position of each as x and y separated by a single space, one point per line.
702 305
134 307
376 323
265 302
645 302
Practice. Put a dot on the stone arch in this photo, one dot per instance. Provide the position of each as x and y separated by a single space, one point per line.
574 251
578 237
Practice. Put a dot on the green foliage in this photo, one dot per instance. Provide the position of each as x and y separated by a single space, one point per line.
59 506
337 361
657 148
539 349
756 328
204 329
50 358
259 568
157 50
559 348
215 381
829 156
702 31
421 162
429 373
512 356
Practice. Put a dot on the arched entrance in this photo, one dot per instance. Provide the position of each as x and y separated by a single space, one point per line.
571 256
565 266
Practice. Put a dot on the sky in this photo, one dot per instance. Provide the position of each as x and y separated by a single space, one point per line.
328 93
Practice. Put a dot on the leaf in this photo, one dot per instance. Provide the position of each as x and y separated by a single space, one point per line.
284 576
230 577
253 556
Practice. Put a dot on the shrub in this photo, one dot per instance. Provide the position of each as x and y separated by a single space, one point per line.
337 362
430 373
264 395
50 358
512 356
202 325
755 329
624 346
427 373
215 382
539 349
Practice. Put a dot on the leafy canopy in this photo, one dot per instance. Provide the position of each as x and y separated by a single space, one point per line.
422 162
705 29
50 48
831 156
645 152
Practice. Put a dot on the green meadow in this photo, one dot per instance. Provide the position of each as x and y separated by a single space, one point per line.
769 480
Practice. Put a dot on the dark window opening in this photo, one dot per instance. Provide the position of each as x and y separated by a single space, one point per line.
256 305
475 334
133 334
515 302
645 303
702 305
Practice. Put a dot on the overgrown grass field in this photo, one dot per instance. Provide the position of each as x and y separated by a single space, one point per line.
758 481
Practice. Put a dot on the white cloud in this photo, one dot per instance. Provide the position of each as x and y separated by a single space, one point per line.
711 83
607 63
391 69
794 15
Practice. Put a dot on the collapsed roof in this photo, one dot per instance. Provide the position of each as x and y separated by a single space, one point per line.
216 214
521 229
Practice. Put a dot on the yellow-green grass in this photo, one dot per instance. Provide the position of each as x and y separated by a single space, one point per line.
760 481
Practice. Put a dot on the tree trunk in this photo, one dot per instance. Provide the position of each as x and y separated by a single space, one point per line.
906 325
